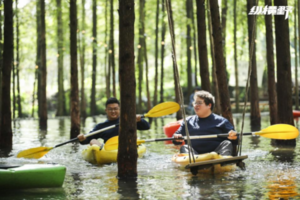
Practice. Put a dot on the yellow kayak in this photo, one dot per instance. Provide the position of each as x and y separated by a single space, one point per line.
94 155
183 160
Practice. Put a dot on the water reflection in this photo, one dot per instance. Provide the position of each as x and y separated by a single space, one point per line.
283 186
284 154
42 136
158 177
128 189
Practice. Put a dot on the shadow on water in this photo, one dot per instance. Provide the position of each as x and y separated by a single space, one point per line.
41 193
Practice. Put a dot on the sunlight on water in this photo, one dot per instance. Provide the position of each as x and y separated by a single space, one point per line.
271 172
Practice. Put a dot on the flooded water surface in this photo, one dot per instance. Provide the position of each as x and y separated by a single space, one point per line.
271 172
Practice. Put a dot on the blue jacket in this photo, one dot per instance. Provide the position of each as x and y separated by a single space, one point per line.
105 135
211 125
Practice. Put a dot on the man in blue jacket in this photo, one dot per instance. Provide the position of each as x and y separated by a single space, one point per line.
205 122
113 116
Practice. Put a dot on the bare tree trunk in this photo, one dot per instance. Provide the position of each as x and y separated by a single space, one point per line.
94 71
61 105
176 84
140 53
202 46
13 87
127 156
255 112
112 55
271 68
6 130
156 55
163 33
43 70
1 60
149 105
219 58
18 63
106 64
236 71
75 113
215 88
224 14
194 44
296 56
189 12
284 78
82 64
34 91
38 55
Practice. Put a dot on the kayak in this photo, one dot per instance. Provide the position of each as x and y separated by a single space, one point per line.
94 155
296 113
182 159
32 176
171 128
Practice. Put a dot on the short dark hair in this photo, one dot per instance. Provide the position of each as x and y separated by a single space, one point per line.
207 97
112 100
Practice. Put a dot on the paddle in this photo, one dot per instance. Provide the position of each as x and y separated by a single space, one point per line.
159 110
278 132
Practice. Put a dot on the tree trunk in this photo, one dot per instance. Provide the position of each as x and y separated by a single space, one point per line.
18 63
13 87
43 71
82 64
149 105
271 68
156 55
236 71
202 46
93 92
176 84
61 105
224 14
189 13
215 88
255 112
34 91
219 58
106 64
296 56
140 53
1 61
38 55
111 43
284 78
127 156
163 33
75 114
194 45
6 130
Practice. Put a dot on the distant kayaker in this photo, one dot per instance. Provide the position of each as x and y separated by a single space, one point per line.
113 116
205 122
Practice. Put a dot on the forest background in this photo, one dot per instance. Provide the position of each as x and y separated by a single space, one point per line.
98 53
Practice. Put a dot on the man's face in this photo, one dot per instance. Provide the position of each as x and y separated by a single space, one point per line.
112 111
201 109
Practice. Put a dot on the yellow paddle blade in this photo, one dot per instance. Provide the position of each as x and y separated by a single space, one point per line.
163 109
279 132
35 153
113 143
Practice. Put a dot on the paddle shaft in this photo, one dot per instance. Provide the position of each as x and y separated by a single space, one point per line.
88 135
222 135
